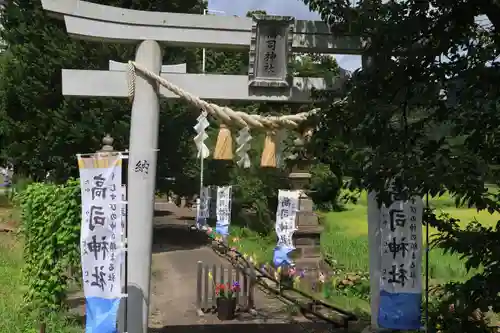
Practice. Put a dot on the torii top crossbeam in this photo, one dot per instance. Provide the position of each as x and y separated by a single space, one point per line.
111 24
90 21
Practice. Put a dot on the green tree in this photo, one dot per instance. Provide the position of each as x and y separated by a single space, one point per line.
41 130
327 172
424 111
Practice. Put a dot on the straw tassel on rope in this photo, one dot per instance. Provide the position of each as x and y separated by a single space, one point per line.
224 145
268 159
131 76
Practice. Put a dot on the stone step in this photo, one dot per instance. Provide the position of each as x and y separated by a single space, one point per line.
307 263
309 230
307 252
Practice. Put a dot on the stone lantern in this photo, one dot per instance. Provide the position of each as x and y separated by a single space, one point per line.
306 238
107 144
107 149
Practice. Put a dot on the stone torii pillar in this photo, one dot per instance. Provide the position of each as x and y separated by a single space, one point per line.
143 147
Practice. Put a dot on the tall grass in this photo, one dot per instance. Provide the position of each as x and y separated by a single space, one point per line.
14 316
345 238
351 252
255 244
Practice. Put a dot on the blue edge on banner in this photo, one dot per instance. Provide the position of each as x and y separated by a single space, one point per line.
222 229
400 311
101 315
219 228
281 256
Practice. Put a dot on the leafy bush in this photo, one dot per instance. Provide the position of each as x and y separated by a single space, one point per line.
51 228
449 314
325 187
255 196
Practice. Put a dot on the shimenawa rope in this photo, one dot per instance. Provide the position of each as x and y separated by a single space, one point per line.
225 114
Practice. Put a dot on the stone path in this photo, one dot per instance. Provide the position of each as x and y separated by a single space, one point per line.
176 251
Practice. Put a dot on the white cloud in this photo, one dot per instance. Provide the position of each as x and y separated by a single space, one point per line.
295 8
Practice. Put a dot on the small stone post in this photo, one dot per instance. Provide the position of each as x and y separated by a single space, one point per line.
306 238
107 145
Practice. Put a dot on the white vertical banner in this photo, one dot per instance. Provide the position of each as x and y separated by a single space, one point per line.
101 238
204 203
401 264
286 215
123 272
223 209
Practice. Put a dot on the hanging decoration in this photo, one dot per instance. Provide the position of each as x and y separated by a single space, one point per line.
268 159
243 141
201 135
224 145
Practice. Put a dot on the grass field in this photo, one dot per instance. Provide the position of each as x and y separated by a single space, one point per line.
345 240
13 318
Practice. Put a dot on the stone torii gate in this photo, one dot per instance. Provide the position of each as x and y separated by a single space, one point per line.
149 30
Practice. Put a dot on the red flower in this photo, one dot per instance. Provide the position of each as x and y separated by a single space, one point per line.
217 290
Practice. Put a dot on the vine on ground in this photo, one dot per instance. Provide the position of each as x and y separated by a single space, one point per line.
51 227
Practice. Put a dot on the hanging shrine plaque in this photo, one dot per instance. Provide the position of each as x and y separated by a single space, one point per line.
270 51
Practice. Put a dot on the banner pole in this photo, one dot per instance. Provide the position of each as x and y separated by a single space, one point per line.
427 267
125 323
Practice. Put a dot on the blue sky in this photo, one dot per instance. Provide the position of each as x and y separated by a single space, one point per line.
295 8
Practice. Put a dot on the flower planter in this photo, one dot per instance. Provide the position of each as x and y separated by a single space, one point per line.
226 307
